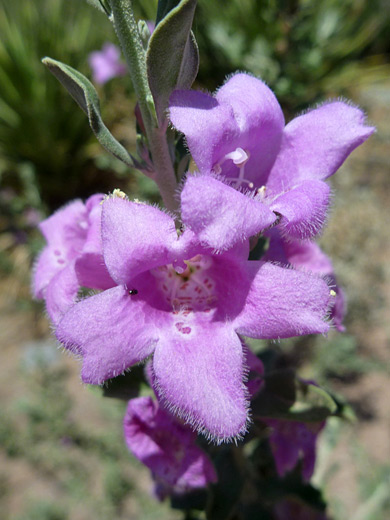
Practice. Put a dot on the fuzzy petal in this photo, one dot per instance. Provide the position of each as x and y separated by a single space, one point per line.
220 215
308 256
293 441
65 231
166 447
260 119
61 292
136 238
301 254
256 371
66 225
282 303
199 374
92 272
317 143
303 209
90 267
111 331
93 242
209 127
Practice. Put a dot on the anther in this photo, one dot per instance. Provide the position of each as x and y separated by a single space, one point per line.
119 194
132 292
239 157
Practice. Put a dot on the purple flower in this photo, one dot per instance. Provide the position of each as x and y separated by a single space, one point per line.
72 257
183 304
256 371
307 256
292 508
106 64
167 448
292 442
239 136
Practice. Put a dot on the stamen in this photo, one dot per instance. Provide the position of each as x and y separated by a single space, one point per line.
242 181
184 288
239 157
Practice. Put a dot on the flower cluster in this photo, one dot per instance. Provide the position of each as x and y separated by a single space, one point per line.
180 290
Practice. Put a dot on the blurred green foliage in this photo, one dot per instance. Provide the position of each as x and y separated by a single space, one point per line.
62 450
304 49
40 125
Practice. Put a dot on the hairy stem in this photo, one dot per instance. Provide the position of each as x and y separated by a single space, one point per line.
127 31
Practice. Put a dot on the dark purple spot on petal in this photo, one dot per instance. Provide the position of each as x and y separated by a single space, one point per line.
182 328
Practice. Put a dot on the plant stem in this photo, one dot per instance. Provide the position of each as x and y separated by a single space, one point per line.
127 31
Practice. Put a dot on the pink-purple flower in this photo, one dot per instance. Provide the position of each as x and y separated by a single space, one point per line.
306 255
106 64
182 304
292 508
239 136
292 442
167 447
72 257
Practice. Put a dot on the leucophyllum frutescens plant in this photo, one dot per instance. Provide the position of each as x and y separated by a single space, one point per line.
177 290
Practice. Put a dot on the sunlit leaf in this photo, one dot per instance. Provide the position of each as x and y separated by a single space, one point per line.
84 93
172 56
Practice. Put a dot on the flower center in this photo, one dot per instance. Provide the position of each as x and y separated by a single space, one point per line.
189 287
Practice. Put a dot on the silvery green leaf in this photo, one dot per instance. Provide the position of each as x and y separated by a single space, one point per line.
84 93
172 57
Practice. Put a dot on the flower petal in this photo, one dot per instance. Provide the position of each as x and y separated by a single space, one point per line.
260 120
303 209
65 232
282 303
166 447
316 144
111 331
92 272
199 374
61 292
308 256
219 215
136 238
209 127
90 267
301 254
